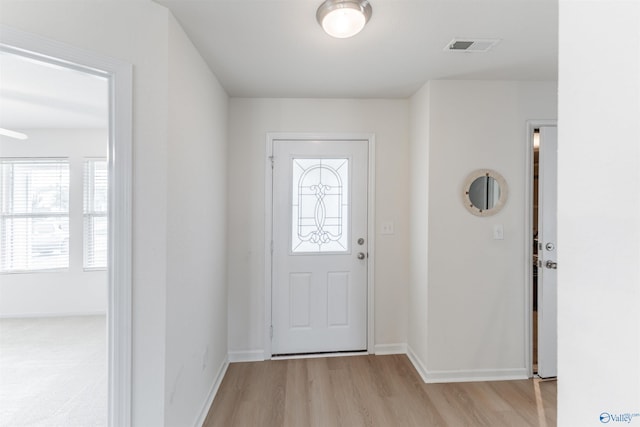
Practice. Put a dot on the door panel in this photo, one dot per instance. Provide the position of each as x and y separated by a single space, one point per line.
300 299
338 298
319 284
547 254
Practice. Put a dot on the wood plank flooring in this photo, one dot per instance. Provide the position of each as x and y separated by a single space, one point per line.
383 391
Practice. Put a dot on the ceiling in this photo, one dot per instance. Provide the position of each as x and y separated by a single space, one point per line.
39 95
275 48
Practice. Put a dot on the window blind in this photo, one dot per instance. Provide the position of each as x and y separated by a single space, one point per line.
96 187
34 214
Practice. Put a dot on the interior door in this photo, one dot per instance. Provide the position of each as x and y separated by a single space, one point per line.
547 254
319 283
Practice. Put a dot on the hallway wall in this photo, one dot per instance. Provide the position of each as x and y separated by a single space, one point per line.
470 322
250 120
173 372
196 318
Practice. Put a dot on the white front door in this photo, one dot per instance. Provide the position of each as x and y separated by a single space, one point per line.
547 254
319 284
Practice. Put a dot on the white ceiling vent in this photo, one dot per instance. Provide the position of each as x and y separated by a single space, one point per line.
471 45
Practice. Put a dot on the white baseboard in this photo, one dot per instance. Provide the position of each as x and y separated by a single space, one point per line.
477 375
246 356
382 349
36 315
469 375
212 393
417 363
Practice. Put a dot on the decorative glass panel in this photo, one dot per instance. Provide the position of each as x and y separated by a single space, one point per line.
320 205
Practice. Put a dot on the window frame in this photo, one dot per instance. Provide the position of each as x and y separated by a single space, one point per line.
6 214
88 215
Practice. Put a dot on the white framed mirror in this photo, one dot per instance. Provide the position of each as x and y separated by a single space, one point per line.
485 192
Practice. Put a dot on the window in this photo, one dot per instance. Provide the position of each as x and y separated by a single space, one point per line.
34 214
95 214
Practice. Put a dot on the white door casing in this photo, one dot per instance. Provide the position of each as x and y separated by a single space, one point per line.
319 292
547 253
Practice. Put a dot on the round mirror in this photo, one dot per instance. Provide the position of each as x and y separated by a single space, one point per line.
485 192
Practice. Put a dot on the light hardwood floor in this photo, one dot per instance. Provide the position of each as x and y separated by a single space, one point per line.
383 391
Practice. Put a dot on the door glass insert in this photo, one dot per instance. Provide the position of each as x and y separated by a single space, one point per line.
320 205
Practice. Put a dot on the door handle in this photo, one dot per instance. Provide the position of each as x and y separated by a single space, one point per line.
551 265
361 255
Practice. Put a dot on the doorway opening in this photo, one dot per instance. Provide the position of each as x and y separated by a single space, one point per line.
534 307
76 211
542 248
53 243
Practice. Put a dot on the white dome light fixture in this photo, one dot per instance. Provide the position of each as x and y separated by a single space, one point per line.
343 18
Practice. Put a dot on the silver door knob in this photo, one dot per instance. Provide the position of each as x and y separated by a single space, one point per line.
552 265
360 255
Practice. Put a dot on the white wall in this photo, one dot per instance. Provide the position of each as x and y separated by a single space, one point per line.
474 286
250 120
138 32
73 291
599 212
419 226
196 323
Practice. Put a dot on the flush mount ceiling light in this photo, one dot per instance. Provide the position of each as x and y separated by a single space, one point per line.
343 18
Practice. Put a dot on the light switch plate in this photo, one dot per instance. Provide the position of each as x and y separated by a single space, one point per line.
387 228
498 232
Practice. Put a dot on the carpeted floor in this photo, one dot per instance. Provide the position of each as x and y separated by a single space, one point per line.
53 372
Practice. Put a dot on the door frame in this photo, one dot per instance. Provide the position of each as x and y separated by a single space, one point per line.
119 76
528 240
268 223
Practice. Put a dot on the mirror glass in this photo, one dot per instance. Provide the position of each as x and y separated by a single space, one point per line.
484 192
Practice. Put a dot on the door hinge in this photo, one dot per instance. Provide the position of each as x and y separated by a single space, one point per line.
271 158
271 332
